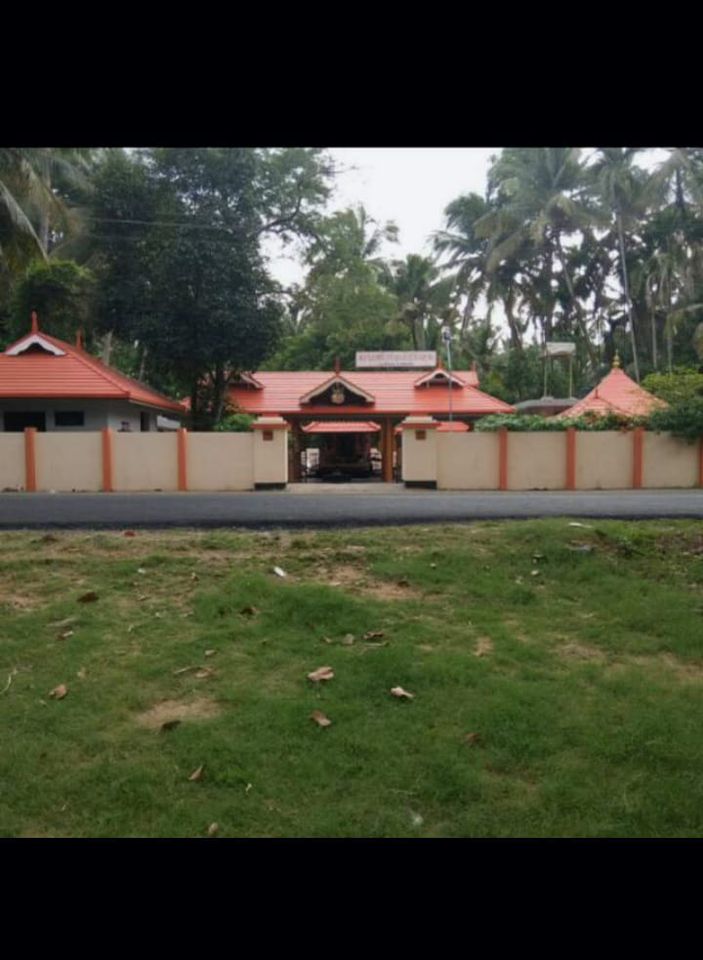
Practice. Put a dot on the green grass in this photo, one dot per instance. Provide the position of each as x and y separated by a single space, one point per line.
586 699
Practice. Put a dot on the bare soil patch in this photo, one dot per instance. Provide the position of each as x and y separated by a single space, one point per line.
484 646
168 710
348 575
581 651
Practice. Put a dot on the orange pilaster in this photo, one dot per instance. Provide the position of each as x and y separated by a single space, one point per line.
503 459
107 460
637 446
182 459
30 459
571 458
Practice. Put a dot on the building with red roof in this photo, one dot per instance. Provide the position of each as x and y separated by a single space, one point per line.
616 394
361 397
53 385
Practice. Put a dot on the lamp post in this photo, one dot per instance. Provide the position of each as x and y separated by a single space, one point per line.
447 338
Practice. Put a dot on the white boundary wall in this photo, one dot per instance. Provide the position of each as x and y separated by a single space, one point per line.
11 461
603 460
220 461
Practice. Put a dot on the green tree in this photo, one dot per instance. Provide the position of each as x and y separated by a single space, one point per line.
346 303
62 294
180 266
620 185
540 200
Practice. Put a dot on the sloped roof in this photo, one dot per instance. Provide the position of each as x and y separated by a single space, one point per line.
342 426
393 393
27 370
616 393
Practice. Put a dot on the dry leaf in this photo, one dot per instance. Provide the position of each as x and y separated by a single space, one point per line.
249 611
204 673
58 693
213 829
82 673
373 634
574 523
64 635
10 675
141 570
62 624
248 788
472 738
535 573
89 597
327 640
402 694
320 719
433 566
197 774
169 725
322 673
210 653
142 596
129 533
181 670
279 572
194 576
348 640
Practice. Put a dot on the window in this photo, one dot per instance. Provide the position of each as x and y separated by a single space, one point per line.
144 422
420 434
69 418
268 434
16 421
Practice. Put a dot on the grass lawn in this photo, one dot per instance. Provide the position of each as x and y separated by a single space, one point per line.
557 673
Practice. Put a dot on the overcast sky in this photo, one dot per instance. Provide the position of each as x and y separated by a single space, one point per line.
409 185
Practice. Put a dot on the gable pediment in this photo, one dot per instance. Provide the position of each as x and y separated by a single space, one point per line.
337 391
439 378
34 343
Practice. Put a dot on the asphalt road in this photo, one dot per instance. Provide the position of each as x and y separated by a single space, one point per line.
284 509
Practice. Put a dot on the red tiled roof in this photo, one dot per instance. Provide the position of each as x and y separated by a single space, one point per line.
394 393
75 375
342 426
616 393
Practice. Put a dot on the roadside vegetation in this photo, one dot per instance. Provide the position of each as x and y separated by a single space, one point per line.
157 684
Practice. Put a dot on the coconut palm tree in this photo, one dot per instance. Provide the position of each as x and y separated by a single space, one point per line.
622 190
34 184
424 299
541 200
465 257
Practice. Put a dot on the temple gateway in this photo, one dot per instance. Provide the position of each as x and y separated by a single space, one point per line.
344 424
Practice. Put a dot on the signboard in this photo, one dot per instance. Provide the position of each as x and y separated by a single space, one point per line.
417 359
555 349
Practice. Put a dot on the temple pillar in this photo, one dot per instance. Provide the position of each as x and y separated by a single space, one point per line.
387 450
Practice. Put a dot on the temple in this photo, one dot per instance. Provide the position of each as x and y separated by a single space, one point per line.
349 416
615 394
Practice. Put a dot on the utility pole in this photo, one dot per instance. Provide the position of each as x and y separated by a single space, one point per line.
447 337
